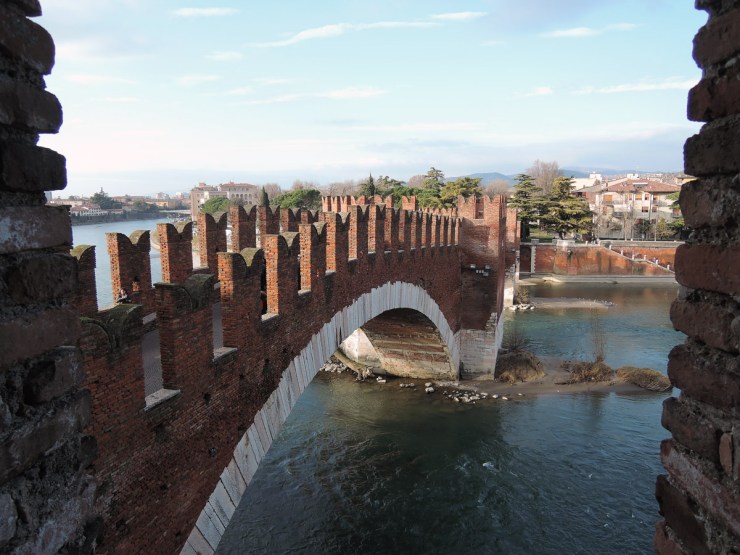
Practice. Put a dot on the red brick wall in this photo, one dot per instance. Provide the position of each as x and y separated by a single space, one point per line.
700 496
130 267
179 448
585 260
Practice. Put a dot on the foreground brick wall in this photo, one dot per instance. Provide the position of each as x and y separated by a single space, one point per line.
46 492
700 496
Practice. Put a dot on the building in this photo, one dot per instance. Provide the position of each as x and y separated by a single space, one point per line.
244 192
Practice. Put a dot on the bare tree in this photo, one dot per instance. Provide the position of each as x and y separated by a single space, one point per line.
299 185
544 174
340 188
497 187
272 189
416 181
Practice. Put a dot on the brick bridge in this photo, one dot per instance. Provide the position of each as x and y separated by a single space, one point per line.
177 451
199 447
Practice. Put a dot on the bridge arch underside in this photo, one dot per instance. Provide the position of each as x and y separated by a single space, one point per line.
398 300
401 342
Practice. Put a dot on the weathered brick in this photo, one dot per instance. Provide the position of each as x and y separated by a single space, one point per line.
8 519
33 333
28 168
46 432
30 8
707 322
53 375
715 97
726 454
719 39
34 227
29 108
715 150
26 41
40 277
679 511
709 267
711 201
690 428
707 375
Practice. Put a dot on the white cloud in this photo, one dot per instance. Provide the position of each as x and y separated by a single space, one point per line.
574 32
190 80
224 56
353 92
645 86
204 12
279 99
458 16
540 91
90 79
581 32
239 91
421 127
338 29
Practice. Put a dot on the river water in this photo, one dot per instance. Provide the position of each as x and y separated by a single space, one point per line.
95 235
370 468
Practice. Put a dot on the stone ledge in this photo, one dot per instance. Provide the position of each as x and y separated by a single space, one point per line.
160 396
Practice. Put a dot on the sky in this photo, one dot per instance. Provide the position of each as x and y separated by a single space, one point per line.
159 95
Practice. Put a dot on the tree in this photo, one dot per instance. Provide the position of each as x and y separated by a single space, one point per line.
104 201
299 198
272 189
367 187
563 213
300 184
264 198
497 187
384 183
215 204
341 188
544 175
143 206
434 179
526 200
416 181
462 186
643 228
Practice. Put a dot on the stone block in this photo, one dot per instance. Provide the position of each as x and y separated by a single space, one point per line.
42 434
709 267
708 322
30 8
29 108
26 41
34 333
34 227
705 374
53 375
29 168
715 150
719 39
8 519
690 428
678 510
711 201
713 98
664 542
41 277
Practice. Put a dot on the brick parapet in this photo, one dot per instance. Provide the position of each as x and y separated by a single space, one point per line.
131 267
85 297
211 239
176 251
699 496
243 227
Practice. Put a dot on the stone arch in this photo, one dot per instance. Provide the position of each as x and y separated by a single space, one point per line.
254 444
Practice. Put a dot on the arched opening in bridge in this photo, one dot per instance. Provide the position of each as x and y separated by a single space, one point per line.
401 342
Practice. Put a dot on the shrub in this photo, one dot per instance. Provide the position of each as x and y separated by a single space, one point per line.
647 378
581 372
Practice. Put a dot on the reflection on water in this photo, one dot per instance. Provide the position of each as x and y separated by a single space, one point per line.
369 468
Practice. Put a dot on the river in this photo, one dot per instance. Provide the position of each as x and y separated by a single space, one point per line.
370 468
94 234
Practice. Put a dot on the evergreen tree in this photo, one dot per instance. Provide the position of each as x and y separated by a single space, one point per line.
563 213
462 186
368 188
527 201
215 204
264 199
299 198
434 179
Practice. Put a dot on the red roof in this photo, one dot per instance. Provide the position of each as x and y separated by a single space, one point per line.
639 185
239 185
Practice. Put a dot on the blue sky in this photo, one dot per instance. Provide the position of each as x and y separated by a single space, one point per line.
161 94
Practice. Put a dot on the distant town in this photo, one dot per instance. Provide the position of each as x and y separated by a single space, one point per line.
625 206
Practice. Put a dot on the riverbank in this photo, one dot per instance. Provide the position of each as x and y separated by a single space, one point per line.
556 279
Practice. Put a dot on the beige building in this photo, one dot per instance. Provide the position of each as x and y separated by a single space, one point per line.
245 192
